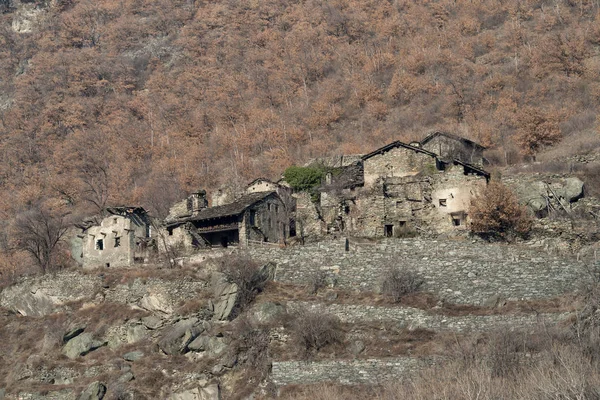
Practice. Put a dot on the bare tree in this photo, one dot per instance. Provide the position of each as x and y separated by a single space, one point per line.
39 232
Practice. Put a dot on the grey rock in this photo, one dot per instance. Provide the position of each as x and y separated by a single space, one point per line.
136 333
157 302
356 347
210 392
226 295
573 189
27 303
229 360
74 331
133 355
94 391
217 369
213 346
152 322
266 313
127 377
82 345
2 394
179 336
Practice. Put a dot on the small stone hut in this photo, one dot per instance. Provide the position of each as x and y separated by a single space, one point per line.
449 147
121 239
258 216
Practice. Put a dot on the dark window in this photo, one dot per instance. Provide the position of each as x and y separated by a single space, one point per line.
117 241
100 244
268 206
389 230
402 223
224 241
442 202
114 221
456 221
276 208
252 218
292 228
170 231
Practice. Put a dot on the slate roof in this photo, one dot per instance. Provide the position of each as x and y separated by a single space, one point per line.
451 136
393 145
473 168
226 210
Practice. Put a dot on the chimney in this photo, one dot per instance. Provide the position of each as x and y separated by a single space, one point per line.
196 202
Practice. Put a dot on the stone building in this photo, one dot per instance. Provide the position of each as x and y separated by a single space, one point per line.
397 190
253 217
449 147
119 240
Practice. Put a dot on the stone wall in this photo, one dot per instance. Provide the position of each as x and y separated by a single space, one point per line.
457 271
349 372
414 318
398 161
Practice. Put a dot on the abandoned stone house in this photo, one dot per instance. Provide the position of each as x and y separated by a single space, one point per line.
260 216
120 239
399 189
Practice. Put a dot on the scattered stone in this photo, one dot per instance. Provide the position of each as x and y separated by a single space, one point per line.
217 369
127 377
82 345
156 302
133 355
177 339
331 296
266 313
152 322
94 391
471 275
71 333
211 392
573 189
213 346
136 333
356 347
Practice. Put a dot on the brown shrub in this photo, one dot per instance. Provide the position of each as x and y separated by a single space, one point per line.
496 213
399 282
245 273
313 331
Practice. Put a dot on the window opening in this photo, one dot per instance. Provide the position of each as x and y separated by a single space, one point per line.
389 230
252 218
455 221
100 244
117 241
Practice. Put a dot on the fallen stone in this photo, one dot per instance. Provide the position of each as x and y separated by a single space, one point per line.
27 303
82 345
356 347
179 336
127 377
266 313
156 302
213 346
133 355
71 333
226 295
152 322
136 333
573 189
94 391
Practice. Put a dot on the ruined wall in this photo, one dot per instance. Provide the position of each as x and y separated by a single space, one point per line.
397 161
308 221
113 243
270 222
458 271
449 149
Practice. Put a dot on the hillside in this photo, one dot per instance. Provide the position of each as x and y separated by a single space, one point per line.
106 102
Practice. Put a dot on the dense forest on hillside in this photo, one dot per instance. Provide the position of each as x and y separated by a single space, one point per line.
139 101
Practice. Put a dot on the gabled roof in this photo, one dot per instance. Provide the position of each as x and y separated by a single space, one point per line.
472 168
435 134
125 210
227 210
260 180
394 145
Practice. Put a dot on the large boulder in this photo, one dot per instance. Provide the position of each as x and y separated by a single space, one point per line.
267 313
156 302
82 345
212 346
180 335
94 391
210 392
226 295
573 189
27 303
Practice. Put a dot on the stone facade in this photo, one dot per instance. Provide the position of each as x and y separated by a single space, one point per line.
257 216
121 239
396 160
449 147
